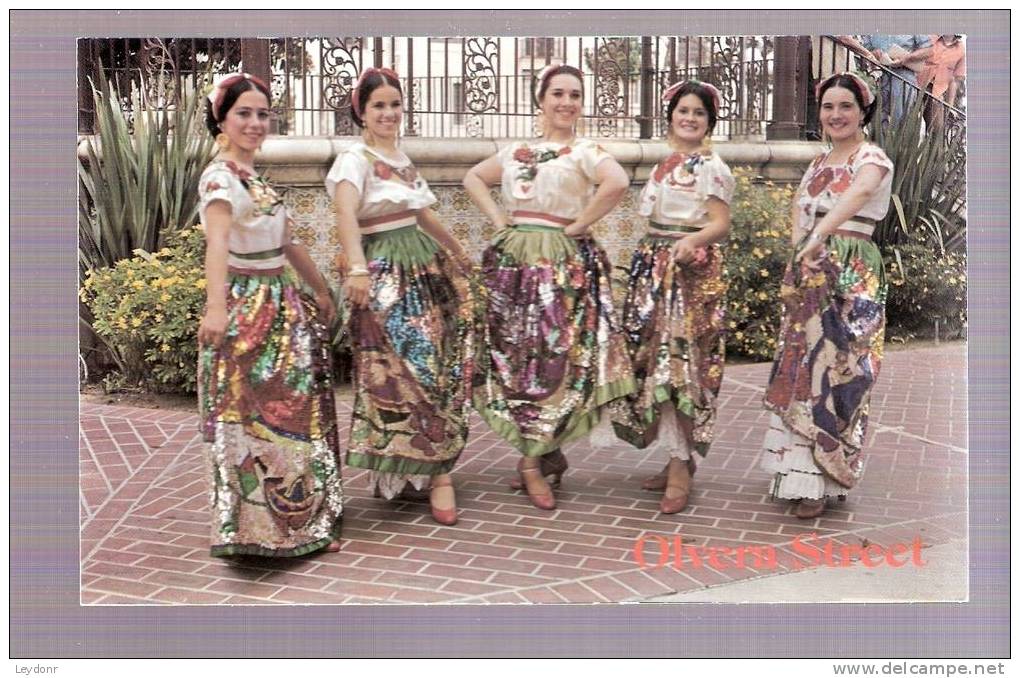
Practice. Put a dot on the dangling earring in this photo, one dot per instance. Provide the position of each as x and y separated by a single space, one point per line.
368 137
223 141
538 127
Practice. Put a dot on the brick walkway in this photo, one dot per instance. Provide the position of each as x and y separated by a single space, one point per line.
145 530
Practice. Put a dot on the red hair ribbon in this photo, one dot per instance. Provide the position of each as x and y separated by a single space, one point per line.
862 86
356 92
675 87
221 86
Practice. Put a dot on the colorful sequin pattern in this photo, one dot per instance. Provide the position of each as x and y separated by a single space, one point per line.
266 407
413 358
673 320
553 354
830 349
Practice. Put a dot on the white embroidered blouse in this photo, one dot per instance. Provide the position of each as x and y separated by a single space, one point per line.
259 217
823 185
679 187
391 192
549 179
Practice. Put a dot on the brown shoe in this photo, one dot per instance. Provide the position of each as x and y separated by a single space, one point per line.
810 508
447 516
678 488
656 483
552 464
538 490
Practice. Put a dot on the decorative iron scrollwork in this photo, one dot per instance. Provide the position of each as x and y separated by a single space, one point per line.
481 57
725 75
611 57
158 71
339 74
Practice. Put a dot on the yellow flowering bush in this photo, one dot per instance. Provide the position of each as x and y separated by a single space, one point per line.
925 285
755 258
147 309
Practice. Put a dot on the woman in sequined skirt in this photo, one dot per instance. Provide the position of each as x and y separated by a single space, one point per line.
673 311
264 374
834 290
412 322
552 356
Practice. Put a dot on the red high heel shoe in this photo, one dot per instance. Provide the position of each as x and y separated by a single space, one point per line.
552 464
678 503
655 483
442 516
545 501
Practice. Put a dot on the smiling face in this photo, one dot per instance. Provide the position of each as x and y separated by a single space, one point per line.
561 102
839 114
247 121
383 112
689 123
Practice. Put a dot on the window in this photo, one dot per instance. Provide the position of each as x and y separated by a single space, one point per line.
542 48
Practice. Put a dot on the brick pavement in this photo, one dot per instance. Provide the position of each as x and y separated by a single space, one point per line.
145 530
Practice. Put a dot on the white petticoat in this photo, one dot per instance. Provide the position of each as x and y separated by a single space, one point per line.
391 484
670 442
787 454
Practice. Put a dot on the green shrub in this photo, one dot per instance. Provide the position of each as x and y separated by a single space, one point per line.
925 285
148 308
755 258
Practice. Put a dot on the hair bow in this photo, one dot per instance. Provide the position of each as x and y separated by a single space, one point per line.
225 82
356 92
675 87
863 87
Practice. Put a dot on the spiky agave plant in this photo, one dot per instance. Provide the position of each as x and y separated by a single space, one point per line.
929 184
139 179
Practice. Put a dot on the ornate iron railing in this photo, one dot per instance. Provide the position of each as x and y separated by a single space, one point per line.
458 87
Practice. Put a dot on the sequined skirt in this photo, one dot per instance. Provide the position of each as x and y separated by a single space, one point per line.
829 354
267 411
552 355
673 321
413 357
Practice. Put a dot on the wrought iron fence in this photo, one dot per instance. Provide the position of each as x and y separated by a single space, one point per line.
832 55
457 87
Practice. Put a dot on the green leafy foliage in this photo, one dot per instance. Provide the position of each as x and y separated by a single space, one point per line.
925 286
147 309
139 180
755 259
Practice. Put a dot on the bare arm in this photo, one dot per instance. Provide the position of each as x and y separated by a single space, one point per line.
218 218
860 192
477 181
613 183
917 55
854 45
429 222
345 202
718 227
298 257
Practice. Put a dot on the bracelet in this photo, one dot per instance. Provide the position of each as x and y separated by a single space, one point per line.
815 236
357 271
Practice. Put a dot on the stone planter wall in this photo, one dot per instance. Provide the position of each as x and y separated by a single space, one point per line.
297 166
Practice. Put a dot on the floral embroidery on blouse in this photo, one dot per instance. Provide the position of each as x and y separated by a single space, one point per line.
530 159
386 172
265 199
680 169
